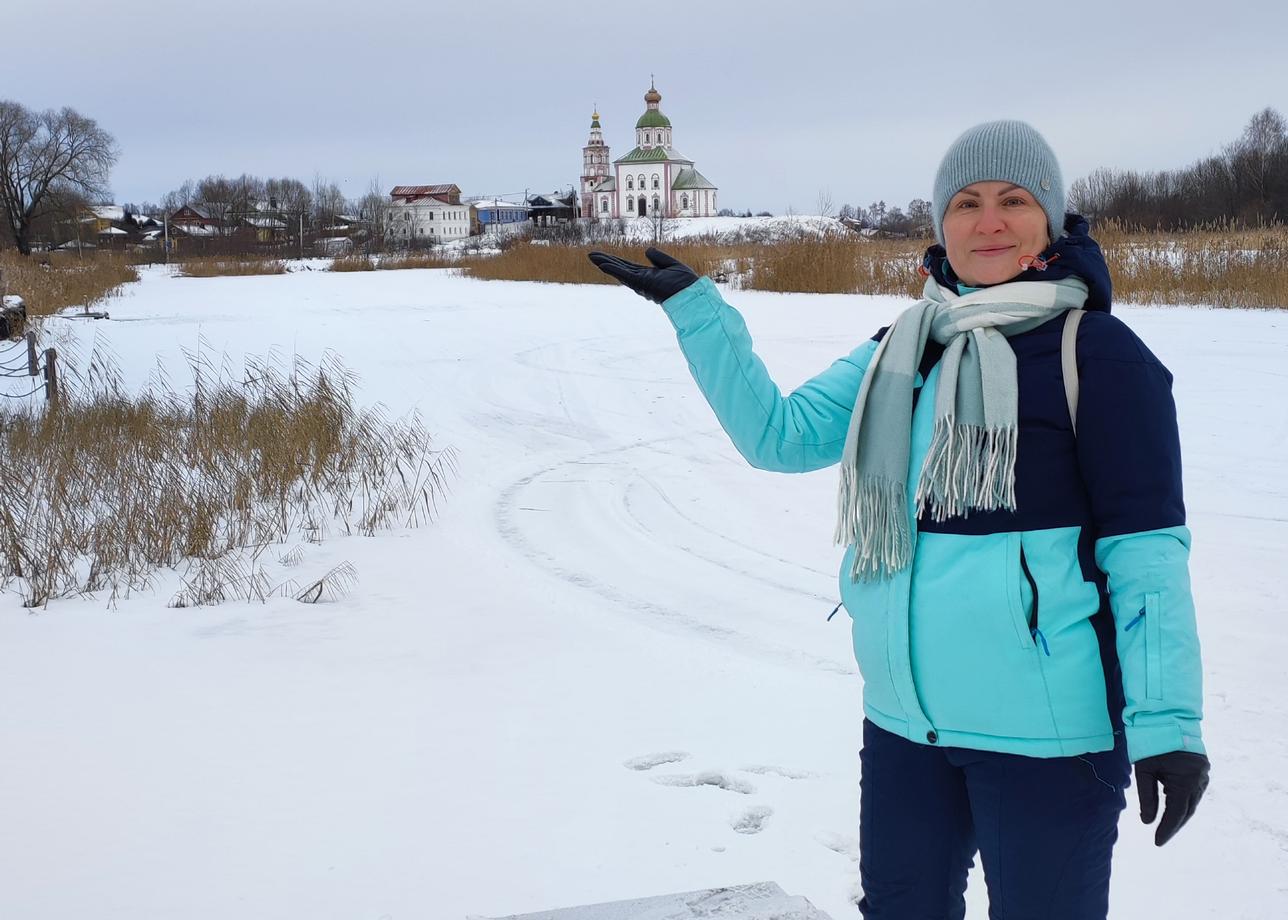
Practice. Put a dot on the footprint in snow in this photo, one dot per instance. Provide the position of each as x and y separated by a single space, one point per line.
771 770
708 778
649 761
752 821
844 844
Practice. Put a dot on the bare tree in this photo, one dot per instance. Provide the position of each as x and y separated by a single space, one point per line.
48 152
825 202
372 208
328 203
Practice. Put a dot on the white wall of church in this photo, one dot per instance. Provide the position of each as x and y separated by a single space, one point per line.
634 181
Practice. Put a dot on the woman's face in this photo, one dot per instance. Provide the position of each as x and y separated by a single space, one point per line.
987 228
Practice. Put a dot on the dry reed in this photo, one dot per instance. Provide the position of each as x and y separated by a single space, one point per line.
1219 266
222 266
105 488
51 282
360 262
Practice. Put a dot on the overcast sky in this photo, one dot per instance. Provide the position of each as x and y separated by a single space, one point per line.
856 98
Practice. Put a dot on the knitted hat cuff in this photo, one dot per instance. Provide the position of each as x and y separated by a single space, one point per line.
1001 151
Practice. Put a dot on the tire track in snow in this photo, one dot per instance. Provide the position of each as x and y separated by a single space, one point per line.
508 527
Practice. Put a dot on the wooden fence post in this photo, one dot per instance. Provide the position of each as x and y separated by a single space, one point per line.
51 375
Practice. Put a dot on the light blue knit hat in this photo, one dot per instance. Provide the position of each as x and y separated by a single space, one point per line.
1002 151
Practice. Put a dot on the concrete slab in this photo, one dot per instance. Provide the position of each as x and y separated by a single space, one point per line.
761 901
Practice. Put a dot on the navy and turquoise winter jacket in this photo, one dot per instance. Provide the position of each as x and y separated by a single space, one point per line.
1039 631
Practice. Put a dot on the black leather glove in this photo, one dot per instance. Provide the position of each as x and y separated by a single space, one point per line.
664 279
1184 776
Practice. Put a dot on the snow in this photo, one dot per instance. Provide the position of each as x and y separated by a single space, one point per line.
605 673
763 901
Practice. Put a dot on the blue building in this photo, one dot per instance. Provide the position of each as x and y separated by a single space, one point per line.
497 211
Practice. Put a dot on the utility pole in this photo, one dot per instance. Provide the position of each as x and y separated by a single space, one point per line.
301 234
165 224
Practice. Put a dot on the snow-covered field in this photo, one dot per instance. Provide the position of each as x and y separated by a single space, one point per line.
604 673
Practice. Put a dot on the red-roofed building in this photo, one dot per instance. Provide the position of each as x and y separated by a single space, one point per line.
408 194
425 215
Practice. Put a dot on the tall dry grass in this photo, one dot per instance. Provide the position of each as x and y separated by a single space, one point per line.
1219 266
827 265
50 282
838 265
357 262
533 261
106 488
224 266
360 262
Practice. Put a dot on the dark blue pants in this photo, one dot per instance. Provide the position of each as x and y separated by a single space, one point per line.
1044 828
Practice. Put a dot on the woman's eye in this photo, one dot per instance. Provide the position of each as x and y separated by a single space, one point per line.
1014 201
967 203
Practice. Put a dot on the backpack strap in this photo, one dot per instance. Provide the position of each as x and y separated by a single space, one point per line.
1069 363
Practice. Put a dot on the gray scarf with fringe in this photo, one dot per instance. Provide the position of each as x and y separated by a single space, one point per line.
971 462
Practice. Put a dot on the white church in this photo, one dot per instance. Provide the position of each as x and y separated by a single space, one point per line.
652 180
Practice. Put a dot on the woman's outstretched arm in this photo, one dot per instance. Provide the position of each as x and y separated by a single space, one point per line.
794 434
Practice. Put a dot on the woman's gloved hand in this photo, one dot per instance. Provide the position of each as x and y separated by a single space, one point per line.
1184 776
665 278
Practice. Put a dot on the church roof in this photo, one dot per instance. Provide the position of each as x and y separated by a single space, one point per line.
691 178
652 118
653 155
607 185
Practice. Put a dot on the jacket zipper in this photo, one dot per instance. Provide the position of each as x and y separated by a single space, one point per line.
1034 631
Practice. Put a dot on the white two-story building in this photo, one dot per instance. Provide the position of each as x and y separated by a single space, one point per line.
426 214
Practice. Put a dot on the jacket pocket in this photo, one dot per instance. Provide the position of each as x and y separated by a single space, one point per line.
1153 646
1021 593
868 604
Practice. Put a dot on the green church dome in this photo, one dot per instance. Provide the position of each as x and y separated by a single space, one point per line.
653 119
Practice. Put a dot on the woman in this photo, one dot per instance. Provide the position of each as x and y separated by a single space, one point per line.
1017 578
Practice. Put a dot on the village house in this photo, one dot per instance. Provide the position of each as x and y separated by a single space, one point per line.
426 214
494 211
554 208
110 226
195 223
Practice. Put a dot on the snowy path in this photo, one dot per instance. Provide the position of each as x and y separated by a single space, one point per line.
604 673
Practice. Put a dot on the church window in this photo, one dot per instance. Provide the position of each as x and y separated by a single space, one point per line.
630 204
655 185
655 204
641 180
603 204
646 137
684 201
630 183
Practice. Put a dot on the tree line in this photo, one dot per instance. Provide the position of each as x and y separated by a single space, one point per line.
1246 183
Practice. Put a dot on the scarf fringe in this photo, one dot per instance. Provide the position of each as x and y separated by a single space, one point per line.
873 515
968 468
